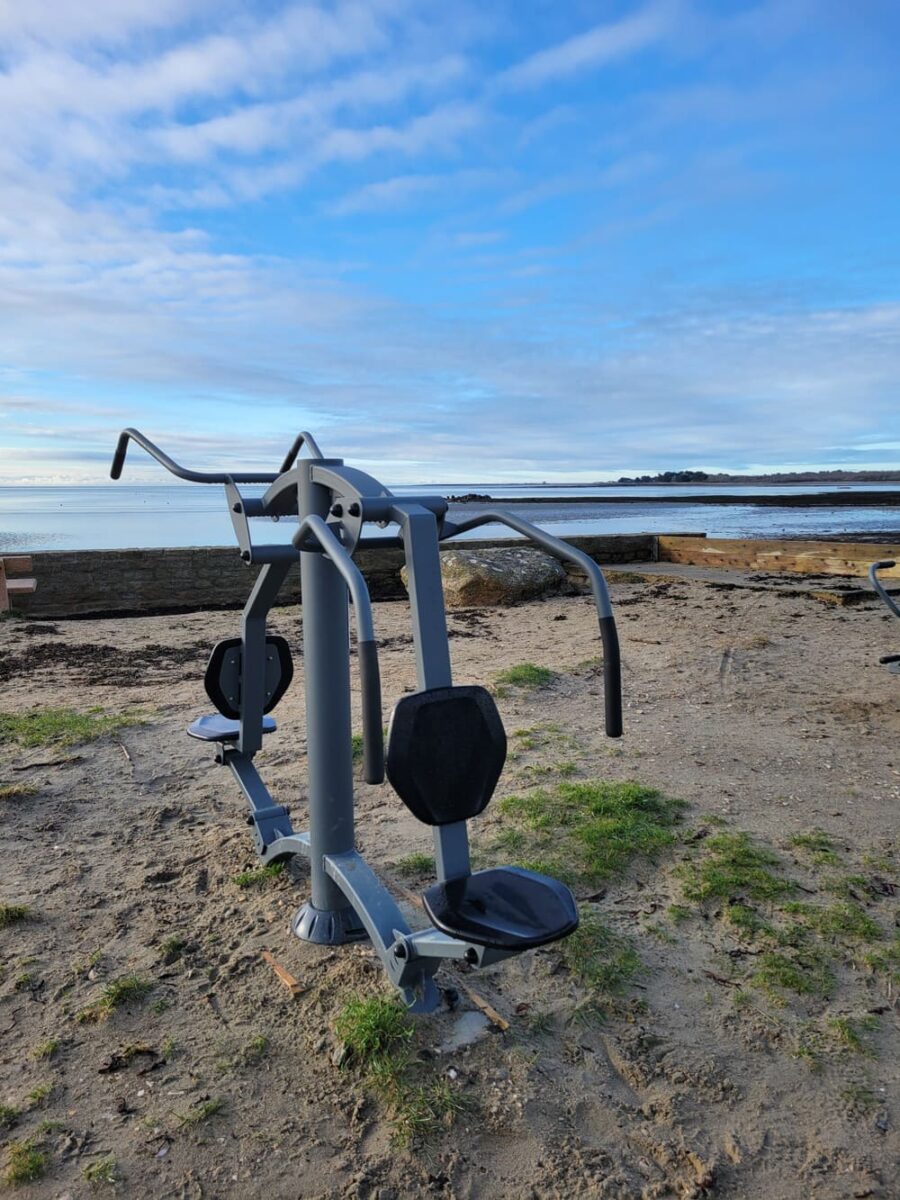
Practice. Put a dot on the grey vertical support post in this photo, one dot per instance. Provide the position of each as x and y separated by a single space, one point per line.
429 620
253 654
328 918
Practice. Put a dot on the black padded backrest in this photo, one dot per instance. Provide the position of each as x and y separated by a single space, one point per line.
446 749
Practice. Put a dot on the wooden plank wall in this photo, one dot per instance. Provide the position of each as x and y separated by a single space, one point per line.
806 558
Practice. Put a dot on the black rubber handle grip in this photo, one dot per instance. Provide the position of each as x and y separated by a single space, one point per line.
612 676
373 733
118 461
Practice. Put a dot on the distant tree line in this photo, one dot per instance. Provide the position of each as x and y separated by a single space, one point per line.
667 477
774 477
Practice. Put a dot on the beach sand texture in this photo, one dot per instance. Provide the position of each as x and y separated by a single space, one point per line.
750 1051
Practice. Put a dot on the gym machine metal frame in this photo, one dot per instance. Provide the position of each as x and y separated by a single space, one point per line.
891 661
332 503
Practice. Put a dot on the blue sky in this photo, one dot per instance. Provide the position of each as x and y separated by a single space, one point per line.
466 241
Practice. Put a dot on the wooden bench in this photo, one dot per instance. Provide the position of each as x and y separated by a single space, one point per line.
14 565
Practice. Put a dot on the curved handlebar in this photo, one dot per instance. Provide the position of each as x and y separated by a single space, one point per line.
367 649
879 587
612 664
302 439
175 468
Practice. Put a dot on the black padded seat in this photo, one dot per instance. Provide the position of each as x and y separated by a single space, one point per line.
216 728
446 749
505 908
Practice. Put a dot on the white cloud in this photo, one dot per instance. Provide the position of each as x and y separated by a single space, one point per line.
104 22
251 129
401 191
598 46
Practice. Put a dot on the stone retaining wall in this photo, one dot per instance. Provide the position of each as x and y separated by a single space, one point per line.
94 582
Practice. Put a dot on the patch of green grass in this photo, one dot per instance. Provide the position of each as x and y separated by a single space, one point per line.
376 1034
589 1013
356 746
511 840
601 958
258 876
595 827
819 845
851 1034
50 1125
793 935
16 791
420 1109
373 1029
13 914
525 675
24 981
39 1094
747 920
101 1173
9 1114
678 912
846 920
807 973
526 739
25 1162
886 960
881 862
848 887
62 726
45 1050
172 949
415 864
202 1111
129 989
734 868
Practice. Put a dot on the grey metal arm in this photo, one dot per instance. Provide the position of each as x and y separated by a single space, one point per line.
612 666
302 439
366 646
879 587
175 468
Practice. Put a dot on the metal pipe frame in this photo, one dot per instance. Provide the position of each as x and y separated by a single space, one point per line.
612 663
884 595
253 652
418 529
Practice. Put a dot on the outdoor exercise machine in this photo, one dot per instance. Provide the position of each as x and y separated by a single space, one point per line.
891 661
446 744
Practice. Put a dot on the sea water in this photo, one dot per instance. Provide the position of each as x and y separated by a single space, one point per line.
117 515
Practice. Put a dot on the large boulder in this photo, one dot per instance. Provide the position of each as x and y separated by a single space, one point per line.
477 578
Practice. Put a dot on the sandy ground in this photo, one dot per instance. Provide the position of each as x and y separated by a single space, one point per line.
764 711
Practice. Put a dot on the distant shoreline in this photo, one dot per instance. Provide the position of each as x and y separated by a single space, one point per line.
778 500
